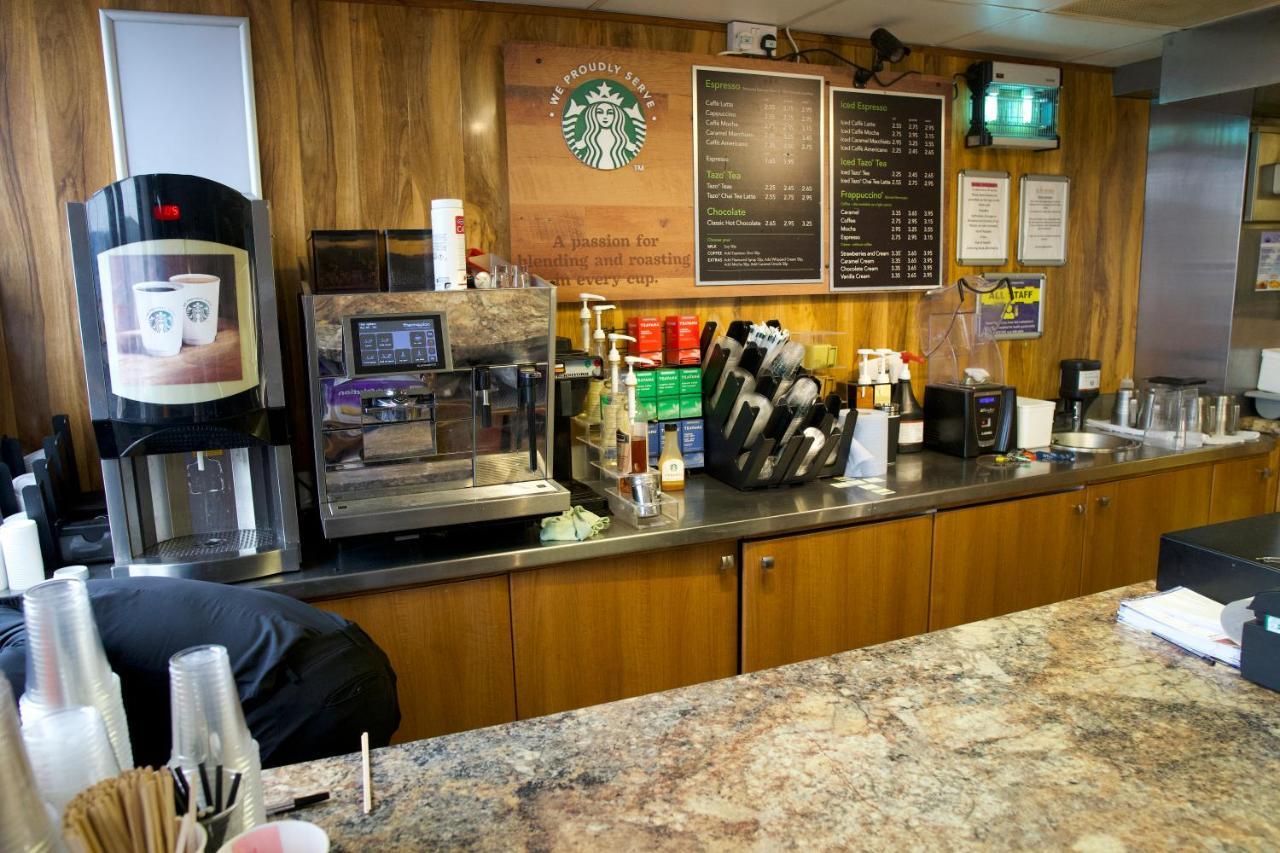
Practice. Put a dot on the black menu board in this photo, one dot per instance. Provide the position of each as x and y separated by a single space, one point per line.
757 154
886 197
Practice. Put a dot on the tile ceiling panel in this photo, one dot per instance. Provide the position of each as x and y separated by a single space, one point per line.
1124 55
758 11
1054 37
912 21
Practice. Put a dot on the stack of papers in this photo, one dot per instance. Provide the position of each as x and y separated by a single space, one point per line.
1184 618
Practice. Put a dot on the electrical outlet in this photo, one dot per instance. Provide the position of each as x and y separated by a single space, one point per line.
744 37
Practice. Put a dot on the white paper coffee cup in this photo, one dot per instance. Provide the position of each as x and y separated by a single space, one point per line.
158 307
199 307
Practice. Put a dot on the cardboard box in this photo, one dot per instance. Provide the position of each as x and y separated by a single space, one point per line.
648 334
691 437
690 381
695 460
691 406
668 408
646 384
681 332
646 410
682 357
668 382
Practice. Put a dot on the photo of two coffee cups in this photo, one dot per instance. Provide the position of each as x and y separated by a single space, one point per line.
182 310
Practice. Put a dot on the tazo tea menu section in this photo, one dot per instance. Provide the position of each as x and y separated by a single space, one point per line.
886 212
757 151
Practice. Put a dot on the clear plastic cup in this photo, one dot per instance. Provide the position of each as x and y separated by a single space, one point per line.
69 751
209 729
24 823
66 664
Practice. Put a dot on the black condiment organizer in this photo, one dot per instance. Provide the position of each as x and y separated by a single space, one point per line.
724 441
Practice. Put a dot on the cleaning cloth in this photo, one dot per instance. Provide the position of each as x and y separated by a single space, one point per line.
573 525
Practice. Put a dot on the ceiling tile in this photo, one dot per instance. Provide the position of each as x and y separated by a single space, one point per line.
1025 5
757 11
1042 35
912 21
563 4
1148 49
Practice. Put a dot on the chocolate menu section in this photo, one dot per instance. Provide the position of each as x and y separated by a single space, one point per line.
887 177
758 158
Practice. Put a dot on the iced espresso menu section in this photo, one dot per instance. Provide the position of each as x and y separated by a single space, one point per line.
757 140
887 178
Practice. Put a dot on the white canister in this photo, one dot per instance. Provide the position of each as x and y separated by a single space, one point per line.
449 243
20 544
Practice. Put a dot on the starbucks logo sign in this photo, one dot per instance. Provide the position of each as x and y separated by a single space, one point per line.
197 310
160 320
603 124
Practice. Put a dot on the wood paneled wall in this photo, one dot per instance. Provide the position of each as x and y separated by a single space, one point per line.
368 110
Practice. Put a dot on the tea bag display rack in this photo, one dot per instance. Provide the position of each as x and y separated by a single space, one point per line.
730 461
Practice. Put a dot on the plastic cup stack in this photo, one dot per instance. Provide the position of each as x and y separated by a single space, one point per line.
69 751
66 665
24 823
209 729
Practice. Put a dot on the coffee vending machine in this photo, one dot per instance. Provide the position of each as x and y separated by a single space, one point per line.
177 304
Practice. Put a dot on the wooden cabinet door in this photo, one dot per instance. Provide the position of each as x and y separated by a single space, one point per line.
1128 517
816 594
1002 557
1242 488
450 646
607 629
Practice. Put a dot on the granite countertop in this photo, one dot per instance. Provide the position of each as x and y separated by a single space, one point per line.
1050 728
713 511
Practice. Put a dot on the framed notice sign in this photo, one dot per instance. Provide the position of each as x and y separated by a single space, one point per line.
1042 220
886 189
1014 310
982 218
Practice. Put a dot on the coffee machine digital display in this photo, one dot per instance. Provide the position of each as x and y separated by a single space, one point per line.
398 343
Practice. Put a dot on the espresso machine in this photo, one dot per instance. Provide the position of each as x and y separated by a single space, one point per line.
176 297
430 408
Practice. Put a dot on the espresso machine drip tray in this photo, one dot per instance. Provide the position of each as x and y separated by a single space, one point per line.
214 544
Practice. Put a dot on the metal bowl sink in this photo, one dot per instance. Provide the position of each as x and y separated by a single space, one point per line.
1092 442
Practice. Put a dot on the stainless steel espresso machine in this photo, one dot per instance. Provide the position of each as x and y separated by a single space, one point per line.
429 408
176 298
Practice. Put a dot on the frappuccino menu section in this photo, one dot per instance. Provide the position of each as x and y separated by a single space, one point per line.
758 158
886 202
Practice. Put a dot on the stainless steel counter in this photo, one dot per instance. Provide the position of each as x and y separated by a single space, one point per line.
921 483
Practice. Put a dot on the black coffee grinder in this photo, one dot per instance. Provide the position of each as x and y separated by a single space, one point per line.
1079 382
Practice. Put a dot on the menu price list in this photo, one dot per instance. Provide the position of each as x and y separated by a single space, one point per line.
886 189
758 158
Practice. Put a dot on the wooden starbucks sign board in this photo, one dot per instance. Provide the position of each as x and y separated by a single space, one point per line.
606 191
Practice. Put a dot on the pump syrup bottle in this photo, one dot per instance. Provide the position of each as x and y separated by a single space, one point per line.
911 425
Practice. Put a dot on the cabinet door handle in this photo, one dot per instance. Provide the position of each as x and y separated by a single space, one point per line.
1265 473
1079 509
727 563
1105 500
766 563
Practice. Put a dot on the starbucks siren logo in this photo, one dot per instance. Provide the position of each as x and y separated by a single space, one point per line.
603 124
160 321
197 310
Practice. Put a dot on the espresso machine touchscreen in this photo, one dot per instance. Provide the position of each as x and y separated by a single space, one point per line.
431 408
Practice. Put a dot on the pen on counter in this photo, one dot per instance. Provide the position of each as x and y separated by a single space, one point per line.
284 806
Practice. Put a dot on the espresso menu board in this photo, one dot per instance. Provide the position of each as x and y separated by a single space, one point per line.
887 180
757 153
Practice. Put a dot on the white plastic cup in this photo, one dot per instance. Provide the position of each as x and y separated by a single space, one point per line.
20 482
208 727
1035 422
79 573
288 836
199 306
69 751
449 243
66 664
20 544
158 309
24 823
17 516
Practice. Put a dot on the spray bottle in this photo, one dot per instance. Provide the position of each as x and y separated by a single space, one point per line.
911 425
